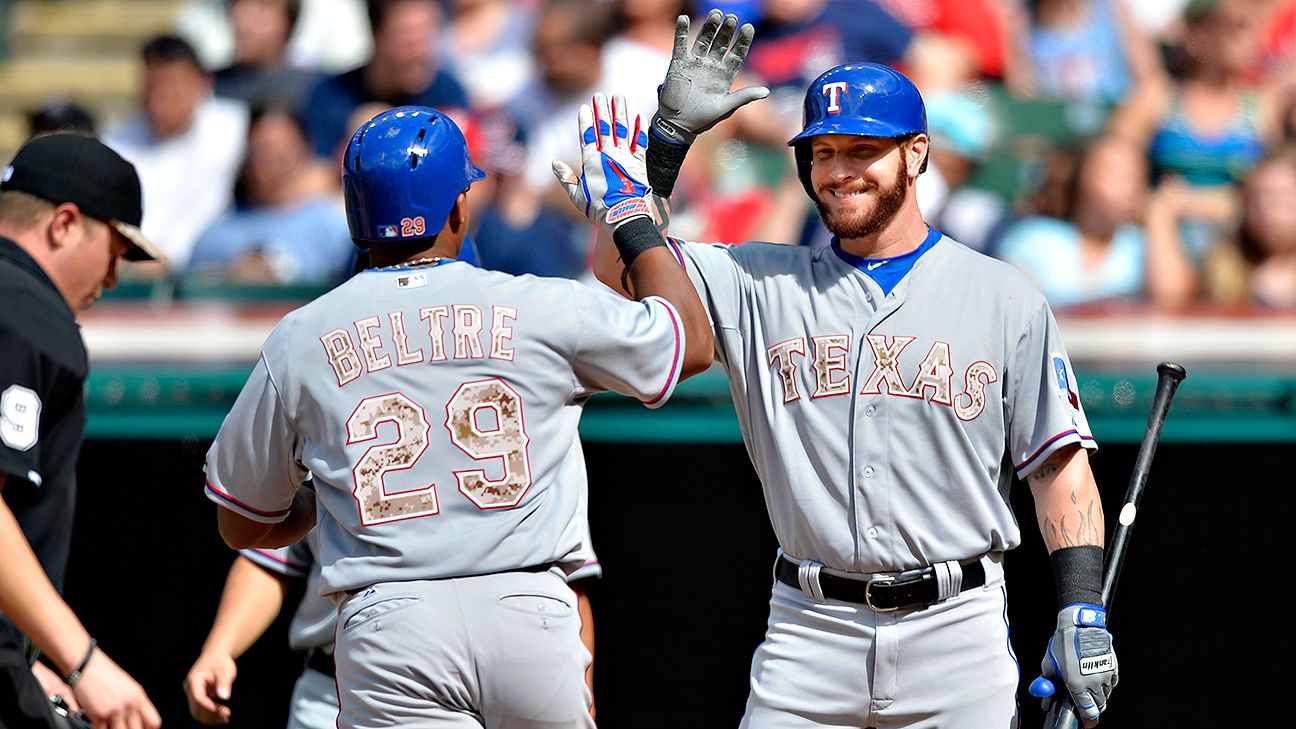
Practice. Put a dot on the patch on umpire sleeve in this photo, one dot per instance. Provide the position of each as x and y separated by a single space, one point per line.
20 409
1066 384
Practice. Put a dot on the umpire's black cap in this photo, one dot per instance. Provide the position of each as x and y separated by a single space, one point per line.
72 168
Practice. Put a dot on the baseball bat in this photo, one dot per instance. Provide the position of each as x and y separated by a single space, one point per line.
1169 375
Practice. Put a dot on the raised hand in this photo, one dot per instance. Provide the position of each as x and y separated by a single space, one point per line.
612 187
695 95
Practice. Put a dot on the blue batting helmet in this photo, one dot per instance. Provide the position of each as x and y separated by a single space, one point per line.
861 99
402 173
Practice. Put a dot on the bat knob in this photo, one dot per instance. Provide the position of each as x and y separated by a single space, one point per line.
1041 688
1176 372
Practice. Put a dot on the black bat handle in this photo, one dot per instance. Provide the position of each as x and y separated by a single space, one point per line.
1169 375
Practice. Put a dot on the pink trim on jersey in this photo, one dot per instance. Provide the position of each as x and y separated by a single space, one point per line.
674 245
275 558
269 514
677 358
1050 442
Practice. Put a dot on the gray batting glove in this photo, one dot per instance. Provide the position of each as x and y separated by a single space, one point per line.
695 95
1081 654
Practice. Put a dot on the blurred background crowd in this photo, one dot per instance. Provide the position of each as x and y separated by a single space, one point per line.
1123 153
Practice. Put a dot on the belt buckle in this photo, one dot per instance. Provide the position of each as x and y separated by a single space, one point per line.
868 594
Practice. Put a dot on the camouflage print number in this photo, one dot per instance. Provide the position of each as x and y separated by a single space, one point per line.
497 434
376 505
505 439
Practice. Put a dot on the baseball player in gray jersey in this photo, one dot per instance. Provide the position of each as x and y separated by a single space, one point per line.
254 593
888 387
436 406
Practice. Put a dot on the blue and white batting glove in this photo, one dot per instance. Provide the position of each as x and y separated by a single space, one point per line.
612 188
1081 654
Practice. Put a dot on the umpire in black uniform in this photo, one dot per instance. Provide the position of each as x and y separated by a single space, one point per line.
69 209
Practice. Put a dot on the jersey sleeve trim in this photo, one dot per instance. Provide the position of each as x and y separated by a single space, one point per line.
1052 444
274 563
229 502
677 357
591 570
674 245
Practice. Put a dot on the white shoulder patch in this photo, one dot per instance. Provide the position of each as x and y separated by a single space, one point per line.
19 417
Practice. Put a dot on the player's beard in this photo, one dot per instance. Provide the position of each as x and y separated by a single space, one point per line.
852 224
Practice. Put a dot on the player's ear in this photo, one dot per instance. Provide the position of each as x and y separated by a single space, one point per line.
916 149
457 221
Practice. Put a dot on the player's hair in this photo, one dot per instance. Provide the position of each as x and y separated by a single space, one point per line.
169 49
592 21
21 211
379 10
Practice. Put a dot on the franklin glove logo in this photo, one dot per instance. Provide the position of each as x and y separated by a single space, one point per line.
1097 664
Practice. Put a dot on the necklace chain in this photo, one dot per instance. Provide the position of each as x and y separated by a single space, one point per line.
415 263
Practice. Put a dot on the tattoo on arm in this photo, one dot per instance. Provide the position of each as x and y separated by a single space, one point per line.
1081 529
1046 470
625 279
1078 524
661 210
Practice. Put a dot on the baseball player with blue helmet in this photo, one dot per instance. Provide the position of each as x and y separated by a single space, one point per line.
436 406
889 387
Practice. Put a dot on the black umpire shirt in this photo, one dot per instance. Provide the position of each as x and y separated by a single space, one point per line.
42 417
42 406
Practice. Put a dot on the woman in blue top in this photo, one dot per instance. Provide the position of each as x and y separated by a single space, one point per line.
1211 126
1095 248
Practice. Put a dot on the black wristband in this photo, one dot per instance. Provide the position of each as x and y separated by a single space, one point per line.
1078 572
635 236
75 676
664 161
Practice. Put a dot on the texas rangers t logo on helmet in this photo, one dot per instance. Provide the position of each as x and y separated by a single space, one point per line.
833 91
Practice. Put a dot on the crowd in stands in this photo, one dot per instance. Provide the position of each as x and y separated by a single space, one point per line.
1168 178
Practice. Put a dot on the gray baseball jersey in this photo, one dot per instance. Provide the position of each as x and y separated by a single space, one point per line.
885 427
437 409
